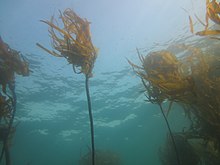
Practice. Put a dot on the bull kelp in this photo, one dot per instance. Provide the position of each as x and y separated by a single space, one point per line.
11 62
192 80
73 42
212 13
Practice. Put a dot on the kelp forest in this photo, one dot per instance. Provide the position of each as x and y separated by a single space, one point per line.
187 75
184 73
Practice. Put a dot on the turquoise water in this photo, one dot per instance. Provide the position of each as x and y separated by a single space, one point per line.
52 116
54 127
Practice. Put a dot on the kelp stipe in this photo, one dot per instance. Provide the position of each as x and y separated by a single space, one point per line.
153 93
157 100
171 134
90 118
76 46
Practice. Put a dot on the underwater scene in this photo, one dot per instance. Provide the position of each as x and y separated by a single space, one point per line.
106 82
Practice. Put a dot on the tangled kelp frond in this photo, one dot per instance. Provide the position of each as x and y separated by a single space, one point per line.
212 13
6 114
11 62
72 41
192 80
13 59
160 73
5 109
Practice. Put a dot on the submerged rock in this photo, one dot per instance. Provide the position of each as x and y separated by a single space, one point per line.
102 157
